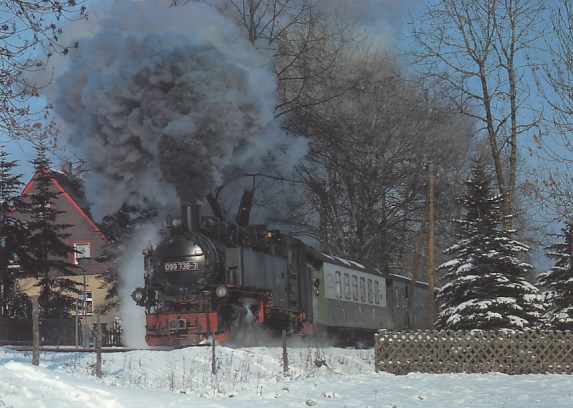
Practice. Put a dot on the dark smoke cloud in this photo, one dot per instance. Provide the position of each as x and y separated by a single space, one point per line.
167 102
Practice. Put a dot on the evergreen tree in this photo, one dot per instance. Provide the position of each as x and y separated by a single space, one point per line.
559 281
13 238
485 283
46 244
119 228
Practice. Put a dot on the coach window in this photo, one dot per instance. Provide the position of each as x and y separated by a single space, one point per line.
338 285
370 299
363 290
377 292
354 287
347 286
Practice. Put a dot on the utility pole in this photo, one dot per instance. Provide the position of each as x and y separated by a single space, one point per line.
431 305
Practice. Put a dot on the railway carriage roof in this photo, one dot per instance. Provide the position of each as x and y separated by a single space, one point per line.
405 279
335 260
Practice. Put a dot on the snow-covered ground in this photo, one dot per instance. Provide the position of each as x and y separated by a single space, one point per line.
253 377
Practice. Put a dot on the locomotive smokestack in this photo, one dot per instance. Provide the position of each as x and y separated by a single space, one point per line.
191 214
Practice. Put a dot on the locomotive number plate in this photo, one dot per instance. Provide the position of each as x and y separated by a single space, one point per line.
180 266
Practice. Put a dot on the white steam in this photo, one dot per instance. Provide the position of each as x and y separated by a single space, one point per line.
168 102
131 276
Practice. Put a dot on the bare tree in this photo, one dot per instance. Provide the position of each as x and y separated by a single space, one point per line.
300 36
479 49
29 34
309 57
366 124
557 87
365 179
268 20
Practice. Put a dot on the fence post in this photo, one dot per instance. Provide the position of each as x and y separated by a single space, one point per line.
35 331
98 348
285 353
376 350
213 358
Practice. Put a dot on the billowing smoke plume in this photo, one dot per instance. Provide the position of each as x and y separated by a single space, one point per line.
164 103
165 100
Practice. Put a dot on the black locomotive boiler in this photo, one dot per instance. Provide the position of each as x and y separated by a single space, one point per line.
212 279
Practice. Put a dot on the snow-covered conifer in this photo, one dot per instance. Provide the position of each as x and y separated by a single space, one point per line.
559 281
13 234
485 281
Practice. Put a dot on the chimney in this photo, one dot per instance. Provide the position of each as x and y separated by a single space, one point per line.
191 216
66 168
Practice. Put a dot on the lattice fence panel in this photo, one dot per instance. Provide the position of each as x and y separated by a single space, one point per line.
509 352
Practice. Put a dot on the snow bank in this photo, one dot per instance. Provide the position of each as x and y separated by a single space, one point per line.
253 377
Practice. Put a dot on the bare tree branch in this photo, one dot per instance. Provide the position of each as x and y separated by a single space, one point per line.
479 48
29 35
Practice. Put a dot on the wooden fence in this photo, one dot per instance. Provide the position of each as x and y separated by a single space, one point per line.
509 352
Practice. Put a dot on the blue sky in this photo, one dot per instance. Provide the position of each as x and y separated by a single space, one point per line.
384 17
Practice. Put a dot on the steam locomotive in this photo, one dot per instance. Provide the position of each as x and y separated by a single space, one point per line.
212 280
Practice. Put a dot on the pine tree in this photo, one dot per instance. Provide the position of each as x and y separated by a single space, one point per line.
13 238
559 281
47 246
485 283
119 228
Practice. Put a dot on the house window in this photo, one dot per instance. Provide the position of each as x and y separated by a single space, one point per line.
81 251
89 304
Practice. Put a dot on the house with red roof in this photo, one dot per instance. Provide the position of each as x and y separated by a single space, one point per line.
86 239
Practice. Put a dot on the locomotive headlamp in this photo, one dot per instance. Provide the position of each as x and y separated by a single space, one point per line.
176 222
138 295
221 291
